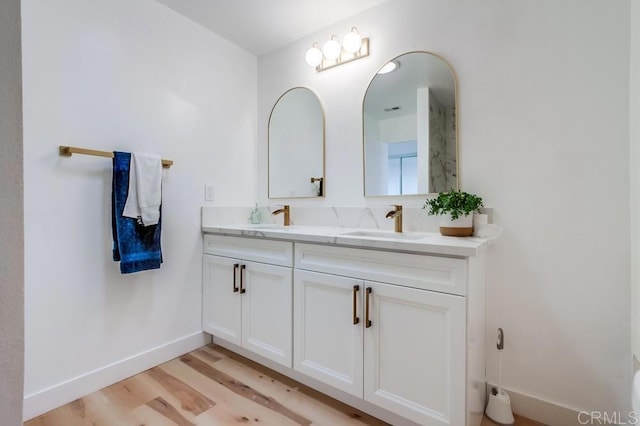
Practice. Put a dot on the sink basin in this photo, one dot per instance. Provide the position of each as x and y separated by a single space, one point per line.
385 235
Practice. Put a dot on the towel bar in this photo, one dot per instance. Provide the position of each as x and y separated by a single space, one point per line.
67 151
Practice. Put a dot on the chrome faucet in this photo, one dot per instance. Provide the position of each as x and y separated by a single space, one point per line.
396 214
287 215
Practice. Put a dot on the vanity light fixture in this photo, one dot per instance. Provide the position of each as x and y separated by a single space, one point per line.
333 53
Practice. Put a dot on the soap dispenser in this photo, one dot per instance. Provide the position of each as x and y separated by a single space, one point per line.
255 216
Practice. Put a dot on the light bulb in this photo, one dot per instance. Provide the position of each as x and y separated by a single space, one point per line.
332 49
352 41
313 56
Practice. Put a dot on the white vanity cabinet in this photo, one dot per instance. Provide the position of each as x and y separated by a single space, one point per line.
247 294
397 331
396 344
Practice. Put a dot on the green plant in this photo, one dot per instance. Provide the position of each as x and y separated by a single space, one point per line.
455 203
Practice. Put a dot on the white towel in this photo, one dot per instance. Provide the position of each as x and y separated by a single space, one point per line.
145 188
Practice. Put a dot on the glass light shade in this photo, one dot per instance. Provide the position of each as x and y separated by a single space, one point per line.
352 41
331 49
313 56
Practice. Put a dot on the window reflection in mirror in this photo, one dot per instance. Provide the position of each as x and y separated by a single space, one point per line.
410 128
296 146
403 167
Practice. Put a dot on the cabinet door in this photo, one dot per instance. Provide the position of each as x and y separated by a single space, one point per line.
414 362
266 311
327 344
221 310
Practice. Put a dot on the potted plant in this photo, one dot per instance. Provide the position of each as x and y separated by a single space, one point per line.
456 208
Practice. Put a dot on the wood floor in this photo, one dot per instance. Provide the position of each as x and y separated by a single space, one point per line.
210 386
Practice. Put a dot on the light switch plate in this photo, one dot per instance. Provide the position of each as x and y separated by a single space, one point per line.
208 192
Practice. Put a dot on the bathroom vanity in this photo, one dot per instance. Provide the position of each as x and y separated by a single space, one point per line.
393 324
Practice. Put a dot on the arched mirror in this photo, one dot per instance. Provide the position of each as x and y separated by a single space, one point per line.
410 138
296 146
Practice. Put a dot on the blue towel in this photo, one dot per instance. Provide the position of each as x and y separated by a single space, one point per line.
136 246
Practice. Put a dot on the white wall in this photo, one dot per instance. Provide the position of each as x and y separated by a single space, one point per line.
397 129
544 138
634 111
126 75
11 222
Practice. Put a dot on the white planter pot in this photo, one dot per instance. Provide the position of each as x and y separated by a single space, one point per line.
461 227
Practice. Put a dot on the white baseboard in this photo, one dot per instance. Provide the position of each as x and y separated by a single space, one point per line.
540 410
45 400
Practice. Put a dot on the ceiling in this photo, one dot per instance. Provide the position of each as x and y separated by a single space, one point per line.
261 26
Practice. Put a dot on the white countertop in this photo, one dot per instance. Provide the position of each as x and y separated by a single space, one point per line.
416 242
